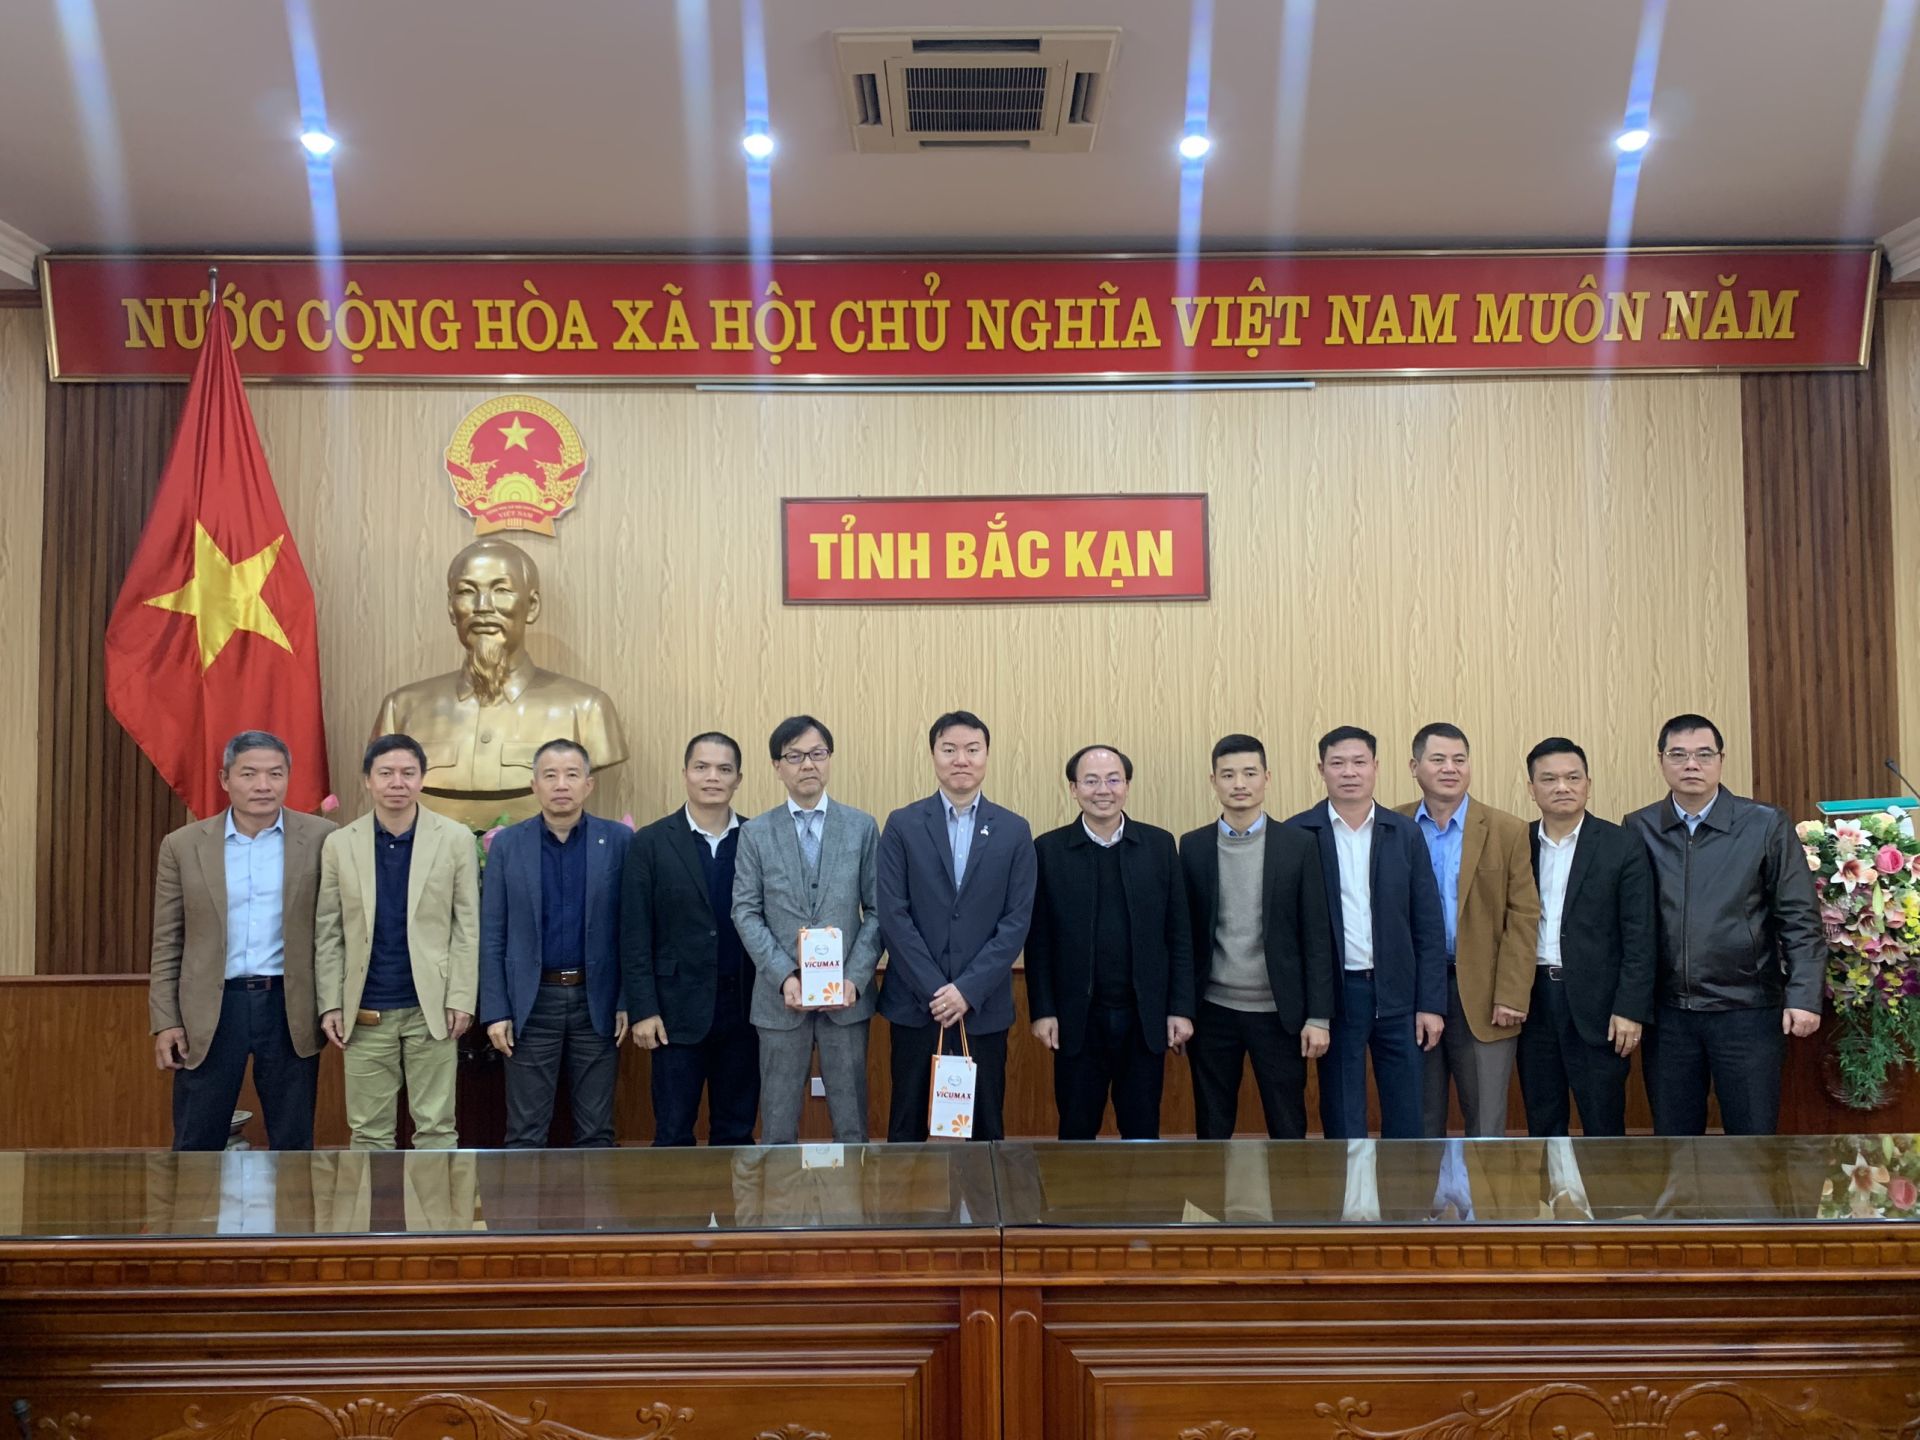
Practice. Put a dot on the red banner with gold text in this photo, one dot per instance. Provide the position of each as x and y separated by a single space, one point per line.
995 548
915 319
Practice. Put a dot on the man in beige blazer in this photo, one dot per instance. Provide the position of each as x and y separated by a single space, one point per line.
231 974
397 951
1483 861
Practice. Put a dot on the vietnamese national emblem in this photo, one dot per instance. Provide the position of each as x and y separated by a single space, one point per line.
516 464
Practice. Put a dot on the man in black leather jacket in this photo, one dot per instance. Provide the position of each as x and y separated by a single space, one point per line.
1742 950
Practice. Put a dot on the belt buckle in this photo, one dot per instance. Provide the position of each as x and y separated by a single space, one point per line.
1553 974
258 982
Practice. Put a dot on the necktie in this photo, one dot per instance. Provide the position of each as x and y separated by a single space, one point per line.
810 838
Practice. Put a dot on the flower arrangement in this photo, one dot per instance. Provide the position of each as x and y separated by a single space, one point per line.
1867 872
1873 1177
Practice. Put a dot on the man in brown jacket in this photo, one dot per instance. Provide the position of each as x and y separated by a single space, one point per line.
1483 861
232 966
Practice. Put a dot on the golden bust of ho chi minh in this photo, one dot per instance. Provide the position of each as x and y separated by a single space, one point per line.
481 724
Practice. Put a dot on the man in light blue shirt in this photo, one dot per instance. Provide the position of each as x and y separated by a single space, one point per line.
255 864
232 964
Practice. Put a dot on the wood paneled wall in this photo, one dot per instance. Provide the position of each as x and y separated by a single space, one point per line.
1523 557
103 808
1819 574
117 1098
23 385
1900 347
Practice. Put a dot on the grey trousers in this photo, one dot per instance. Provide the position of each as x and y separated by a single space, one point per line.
1482 1071
786 1062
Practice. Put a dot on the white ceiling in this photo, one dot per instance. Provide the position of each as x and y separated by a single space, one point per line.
614 124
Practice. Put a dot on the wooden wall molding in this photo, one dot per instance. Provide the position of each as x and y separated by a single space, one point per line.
891 1260
1374 1254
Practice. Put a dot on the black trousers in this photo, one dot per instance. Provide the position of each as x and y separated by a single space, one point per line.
1113 1058
253 1022
725 1064
1223 1041
560 1029
1736 1053
1557 1064
911 1068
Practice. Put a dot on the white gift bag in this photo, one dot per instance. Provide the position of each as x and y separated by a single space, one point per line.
950 1096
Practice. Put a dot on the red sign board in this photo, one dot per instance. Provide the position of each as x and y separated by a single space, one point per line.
1029 318
995 548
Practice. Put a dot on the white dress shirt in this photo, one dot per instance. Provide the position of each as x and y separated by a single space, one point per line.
1107 844
1556 864
1353 845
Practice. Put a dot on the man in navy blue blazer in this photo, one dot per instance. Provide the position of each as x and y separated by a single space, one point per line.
1390 937
550 986
956 896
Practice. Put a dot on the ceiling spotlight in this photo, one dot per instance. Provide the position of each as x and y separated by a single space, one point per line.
317 143
1631 142
758 144
1194 147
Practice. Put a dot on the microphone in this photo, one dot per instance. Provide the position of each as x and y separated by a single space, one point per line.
1903 779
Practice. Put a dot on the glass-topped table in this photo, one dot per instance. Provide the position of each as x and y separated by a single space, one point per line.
1637 1181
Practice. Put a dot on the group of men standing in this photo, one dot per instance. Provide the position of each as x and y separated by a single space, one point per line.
1448 942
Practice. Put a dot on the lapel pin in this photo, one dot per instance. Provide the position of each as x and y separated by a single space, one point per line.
986 829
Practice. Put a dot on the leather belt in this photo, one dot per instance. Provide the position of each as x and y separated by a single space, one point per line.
255 982
1552 972
563 977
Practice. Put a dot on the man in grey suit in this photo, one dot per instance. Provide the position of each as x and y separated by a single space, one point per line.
808 865
957 876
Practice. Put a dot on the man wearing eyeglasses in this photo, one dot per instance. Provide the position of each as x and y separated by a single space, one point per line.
1110 956
809 864
1741 944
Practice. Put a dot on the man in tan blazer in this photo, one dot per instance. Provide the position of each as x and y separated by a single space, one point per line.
397 951
232 964
1483 861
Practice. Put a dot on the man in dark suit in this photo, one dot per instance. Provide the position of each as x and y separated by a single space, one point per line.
1110 956
550 953
687 974
232 962
1593 985
956 898
1390 936
1264 953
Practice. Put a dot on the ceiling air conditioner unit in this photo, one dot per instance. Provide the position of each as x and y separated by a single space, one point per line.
966 89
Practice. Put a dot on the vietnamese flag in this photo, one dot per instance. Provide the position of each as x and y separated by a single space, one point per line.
214 631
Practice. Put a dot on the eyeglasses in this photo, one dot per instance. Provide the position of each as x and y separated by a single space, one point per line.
1101 782
818 755
1680 757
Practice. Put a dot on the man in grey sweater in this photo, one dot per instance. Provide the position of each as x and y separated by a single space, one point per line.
1263 952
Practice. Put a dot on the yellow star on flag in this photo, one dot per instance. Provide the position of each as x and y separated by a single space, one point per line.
516 433
224 597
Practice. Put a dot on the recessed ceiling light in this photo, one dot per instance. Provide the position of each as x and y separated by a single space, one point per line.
317 143
758 144
1194 147
1630 142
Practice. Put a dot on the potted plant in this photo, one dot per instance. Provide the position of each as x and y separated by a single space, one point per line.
1867 871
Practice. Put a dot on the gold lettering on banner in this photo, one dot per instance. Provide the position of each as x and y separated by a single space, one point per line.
1722 1409
454 1413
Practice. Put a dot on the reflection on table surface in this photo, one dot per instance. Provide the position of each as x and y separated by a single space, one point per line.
1145 1185
1637 1179
74 1194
